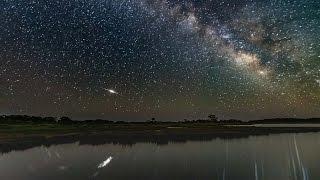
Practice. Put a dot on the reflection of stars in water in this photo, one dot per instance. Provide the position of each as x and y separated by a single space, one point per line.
105 162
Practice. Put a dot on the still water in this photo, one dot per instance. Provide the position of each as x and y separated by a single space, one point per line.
269 157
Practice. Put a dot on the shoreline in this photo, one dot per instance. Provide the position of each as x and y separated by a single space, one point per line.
21 141
9 131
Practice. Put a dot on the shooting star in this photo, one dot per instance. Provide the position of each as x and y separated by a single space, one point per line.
120 6
111 91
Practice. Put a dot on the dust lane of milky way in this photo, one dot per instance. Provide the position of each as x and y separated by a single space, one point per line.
173 60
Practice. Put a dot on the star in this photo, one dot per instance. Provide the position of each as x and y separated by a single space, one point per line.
167 59
111 91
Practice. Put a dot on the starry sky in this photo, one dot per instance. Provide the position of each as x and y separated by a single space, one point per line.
168 59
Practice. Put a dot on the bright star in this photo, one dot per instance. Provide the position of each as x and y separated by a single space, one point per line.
112 91
261 72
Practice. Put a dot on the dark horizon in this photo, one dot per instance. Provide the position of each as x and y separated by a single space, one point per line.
153 119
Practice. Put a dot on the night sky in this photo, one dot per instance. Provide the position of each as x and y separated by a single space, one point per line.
168 59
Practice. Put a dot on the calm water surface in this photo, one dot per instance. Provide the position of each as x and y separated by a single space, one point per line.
273 157
282 125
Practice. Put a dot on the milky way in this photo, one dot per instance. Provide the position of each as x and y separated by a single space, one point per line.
172 60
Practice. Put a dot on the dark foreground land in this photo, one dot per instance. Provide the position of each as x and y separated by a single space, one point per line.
23 132
12 127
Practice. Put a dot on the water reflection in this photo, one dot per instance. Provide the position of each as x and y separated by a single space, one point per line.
104 163
276 157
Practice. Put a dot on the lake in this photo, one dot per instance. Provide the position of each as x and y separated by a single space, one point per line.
280 125
268 157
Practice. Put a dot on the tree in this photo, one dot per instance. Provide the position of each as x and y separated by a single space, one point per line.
49 120
65 120
213 117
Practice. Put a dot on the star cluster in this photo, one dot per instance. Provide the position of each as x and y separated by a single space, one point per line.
169 59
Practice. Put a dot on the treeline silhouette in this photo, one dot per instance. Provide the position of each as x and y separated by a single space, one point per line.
16 119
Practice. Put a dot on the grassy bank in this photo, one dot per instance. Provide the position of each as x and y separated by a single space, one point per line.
11 130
